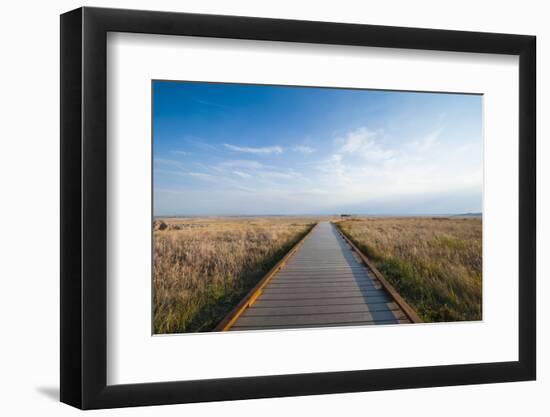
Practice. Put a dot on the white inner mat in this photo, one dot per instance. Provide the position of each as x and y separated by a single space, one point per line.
134 356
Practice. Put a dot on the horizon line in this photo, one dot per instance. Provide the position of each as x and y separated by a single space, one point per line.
473 213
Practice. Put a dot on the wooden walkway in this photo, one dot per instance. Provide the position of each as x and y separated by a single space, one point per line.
323 284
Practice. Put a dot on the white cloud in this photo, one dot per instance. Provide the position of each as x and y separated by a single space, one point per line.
184 153
242 163
363 142
304 149
332 165
426 143
467 147
242 174
279 175
201 175
261 150
363 169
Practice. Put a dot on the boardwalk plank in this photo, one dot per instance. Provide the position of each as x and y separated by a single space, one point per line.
332 325
290 274
335 278
291 320
268 295
321 309
325 284
320 301
362 290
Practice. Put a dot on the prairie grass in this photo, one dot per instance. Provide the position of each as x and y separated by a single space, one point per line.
434 263
203 267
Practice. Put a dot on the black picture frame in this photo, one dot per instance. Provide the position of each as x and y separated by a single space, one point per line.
84 207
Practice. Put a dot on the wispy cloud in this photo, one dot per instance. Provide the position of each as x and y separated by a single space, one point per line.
332 165
201 175
242 163
184 173
279 175
364 142
427 143
304 149
242 174
261 150
247 169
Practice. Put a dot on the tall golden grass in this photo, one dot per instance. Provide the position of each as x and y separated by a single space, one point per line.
203 267
434 263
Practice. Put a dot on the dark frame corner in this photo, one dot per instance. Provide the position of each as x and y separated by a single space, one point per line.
83 207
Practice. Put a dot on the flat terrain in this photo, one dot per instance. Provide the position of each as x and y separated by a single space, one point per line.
434 263
202 267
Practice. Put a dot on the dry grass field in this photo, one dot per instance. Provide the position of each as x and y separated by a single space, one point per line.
434 263
202 267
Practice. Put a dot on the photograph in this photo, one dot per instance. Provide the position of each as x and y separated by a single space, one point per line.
290 207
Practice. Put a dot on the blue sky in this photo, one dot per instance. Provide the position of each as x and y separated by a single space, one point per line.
248 149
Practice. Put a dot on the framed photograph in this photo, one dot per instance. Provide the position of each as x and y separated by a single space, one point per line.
257 207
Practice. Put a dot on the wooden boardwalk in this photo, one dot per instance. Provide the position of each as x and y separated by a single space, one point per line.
324 283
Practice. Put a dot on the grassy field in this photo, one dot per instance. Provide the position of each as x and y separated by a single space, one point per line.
434 263
202 267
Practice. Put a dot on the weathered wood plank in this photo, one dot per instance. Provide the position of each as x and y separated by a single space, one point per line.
316 269
362 290
321 309
291 320
321 277
313 285
337 282
267 295
312 319
312 326
289 274
320 301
